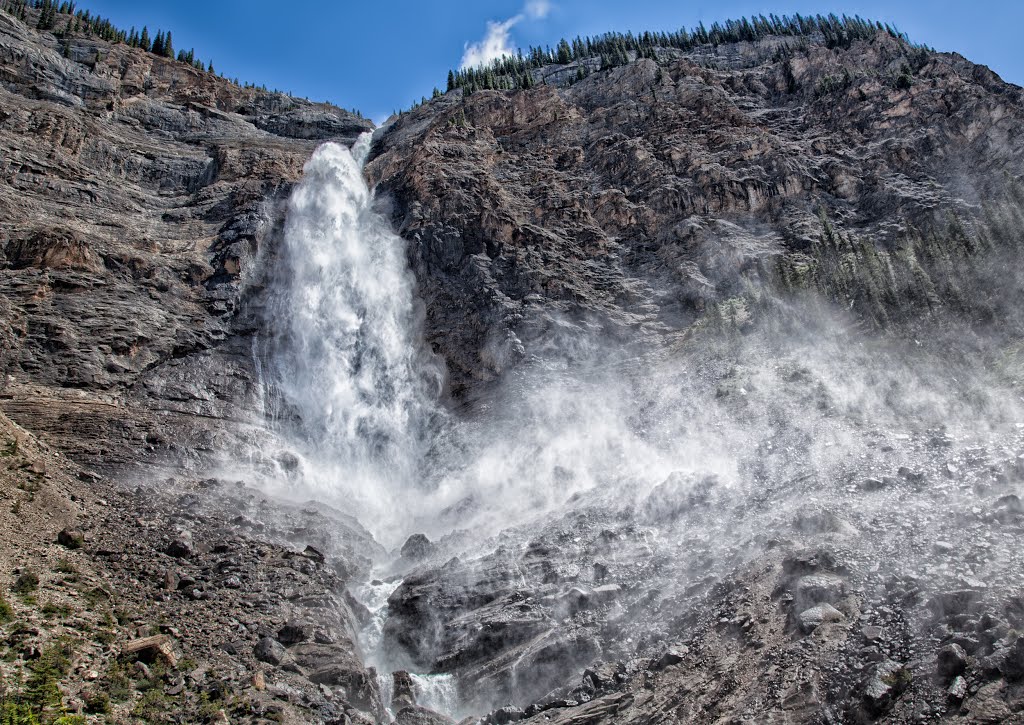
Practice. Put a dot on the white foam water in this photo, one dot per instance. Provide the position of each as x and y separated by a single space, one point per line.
436 692
374 596
352 393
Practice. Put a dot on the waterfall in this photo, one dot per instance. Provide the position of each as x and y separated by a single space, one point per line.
436 692
354 396
350 385
374 596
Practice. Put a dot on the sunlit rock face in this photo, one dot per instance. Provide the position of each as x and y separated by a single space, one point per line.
138 198
634 200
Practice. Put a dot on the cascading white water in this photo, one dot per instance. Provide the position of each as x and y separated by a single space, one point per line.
346 368
437 692
374 596
356 396
354 393
354 403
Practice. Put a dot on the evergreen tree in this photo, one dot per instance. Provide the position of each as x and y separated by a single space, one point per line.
168 46
144 41
47 15
564 52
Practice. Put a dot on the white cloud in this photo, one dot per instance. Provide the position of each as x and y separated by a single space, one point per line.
537 9
494 45
498 41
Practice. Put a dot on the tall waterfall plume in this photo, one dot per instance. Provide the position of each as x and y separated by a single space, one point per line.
350 382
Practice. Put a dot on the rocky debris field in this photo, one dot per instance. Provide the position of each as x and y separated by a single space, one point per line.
890 590
883 583
132 605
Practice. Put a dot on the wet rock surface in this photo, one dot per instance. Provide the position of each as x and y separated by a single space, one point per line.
884 627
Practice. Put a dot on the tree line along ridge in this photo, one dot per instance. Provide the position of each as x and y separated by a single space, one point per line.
65 20
615 49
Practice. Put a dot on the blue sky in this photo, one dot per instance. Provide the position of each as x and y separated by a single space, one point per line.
380 55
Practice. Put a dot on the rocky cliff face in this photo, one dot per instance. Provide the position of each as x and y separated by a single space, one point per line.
657 205
137 197
840 544
640 198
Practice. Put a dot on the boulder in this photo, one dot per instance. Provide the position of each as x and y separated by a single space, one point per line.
952 662
1012 664
269 650
71 538
818 589
180 548
811 619
886 683
671 656
294 633
957 689
403 692
416 715
149 649
504 715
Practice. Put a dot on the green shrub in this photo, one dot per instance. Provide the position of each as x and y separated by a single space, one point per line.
105 636
17 713
66 567
119 686
95 596
52 609
41 690
153 707
96 703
